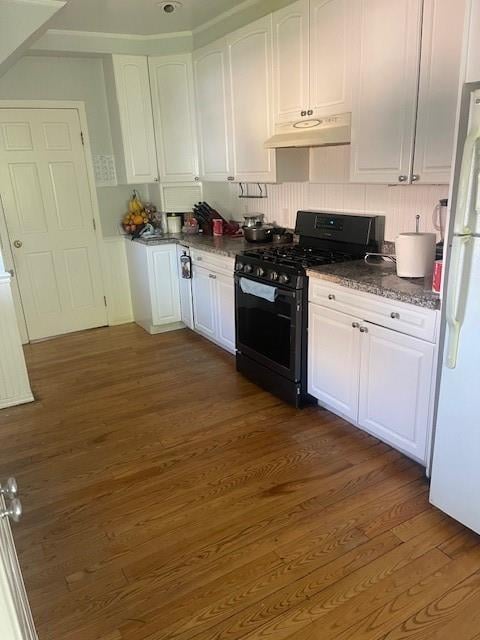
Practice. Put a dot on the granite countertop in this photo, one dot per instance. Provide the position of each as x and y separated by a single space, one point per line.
221 245
380 279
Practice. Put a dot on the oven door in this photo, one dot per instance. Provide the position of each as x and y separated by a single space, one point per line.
269 332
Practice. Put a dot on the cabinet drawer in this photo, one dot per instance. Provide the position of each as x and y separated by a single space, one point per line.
399 316
213 261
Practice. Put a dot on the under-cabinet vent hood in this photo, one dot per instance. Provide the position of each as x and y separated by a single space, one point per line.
312 132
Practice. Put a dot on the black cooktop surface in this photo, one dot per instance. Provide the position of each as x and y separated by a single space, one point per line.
294 255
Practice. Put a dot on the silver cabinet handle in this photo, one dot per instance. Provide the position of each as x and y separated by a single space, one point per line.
210 275
231 178
303 113
356 325
415 177
402 178
17 244
197 179
309 112
331 296
395 316
363 330
14 511
9 489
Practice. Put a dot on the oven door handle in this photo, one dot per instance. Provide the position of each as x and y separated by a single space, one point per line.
287 293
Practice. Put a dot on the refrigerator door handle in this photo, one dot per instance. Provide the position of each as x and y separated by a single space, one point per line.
456 296
467 186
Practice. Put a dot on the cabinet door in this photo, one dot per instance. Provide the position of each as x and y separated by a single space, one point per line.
213 112
203 289
473 43
251 89
333 41
442 36
333 359
291 61
395 388
132 89
173 111
164 284
225 311
385 92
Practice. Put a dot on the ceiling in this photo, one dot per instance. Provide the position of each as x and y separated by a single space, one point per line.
138 17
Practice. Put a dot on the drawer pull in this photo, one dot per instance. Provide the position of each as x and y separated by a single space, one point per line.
363 330
13 511
395 316
9 489
356 325
331 296
210 275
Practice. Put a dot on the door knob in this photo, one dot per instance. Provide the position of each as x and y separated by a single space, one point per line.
356 325
14 511
17 244
9 489
402 178
363 330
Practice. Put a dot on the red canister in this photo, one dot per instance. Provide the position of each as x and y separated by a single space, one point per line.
217 227
437 276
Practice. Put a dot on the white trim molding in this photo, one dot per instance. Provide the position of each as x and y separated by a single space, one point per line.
14 383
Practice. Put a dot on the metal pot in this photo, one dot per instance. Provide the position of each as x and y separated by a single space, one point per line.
259 233
253 220
282 238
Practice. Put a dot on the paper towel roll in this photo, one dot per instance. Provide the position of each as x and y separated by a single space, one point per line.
415 253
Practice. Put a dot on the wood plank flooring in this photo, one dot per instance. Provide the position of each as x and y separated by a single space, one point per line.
166 497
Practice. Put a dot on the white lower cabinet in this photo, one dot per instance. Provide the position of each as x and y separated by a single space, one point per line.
154 284
378 378
334 360
203 290
395 388
214 306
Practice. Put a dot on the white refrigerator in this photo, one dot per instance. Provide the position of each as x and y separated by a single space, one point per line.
455 473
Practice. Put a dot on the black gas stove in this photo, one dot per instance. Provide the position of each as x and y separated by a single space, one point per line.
271 296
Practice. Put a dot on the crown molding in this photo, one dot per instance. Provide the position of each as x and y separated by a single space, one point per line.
224 16
116 36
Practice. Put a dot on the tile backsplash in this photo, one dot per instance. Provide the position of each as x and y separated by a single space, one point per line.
329 189
399 204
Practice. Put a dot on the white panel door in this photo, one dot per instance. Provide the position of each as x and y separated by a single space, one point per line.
212 93
225 311
48 209
203 290
333 38
333 359
173 110
291 61
132 88
251 87
385 91
395 388
442 37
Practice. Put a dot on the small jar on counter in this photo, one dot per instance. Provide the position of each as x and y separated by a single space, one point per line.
174 222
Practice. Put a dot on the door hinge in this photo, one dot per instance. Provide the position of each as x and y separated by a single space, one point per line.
105 300
94 224
82 138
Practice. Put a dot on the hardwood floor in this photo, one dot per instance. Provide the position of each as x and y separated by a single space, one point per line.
167 497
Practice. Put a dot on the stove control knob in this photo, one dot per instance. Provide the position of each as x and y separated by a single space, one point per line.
260 271
239 266
248 268
284 279
274 275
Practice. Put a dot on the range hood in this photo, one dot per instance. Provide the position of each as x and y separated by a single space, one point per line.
312 132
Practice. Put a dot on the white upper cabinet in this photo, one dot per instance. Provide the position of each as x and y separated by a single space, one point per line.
473 43
131 119
212 93
333 45
291 61
443 22
251 91
314 45
405 97
171 79
385 95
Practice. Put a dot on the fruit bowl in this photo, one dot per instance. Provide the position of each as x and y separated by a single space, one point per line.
132 228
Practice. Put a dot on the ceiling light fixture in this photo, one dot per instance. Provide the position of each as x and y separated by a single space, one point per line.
170 7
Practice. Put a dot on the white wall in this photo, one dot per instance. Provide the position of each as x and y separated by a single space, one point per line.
330 190
79 79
